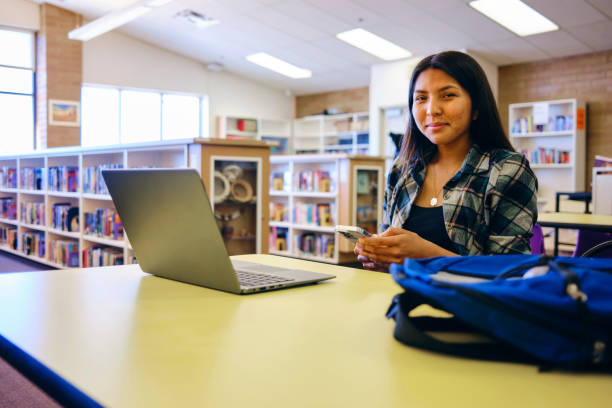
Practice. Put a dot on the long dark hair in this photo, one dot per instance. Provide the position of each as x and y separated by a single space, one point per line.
486 130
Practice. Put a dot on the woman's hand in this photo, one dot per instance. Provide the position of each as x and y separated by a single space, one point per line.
367 262
394 245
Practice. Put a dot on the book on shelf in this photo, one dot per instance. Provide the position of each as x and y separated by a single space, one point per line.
33 243
8 177
602 161
278 238
279 212
102 256
246 125
104 222
313 214
31 178
278 180
93 182
32 213
64 252
63 179
555 124
317 245
313 181
65 217
277 144
8 208
8 236
544 155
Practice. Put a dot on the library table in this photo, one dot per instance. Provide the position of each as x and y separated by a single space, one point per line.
128 339
593 222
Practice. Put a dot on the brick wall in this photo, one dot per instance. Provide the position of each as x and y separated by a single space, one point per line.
58 73
349 100
587 77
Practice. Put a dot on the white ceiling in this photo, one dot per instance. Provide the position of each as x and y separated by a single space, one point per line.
303 33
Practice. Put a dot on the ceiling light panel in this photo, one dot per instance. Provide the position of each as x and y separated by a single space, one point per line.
277 65
373 44
515 15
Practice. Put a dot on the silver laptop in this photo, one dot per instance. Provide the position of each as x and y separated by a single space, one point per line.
168 218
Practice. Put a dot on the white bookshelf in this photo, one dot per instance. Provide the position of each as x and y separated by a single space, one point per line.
277 132
168 154
552 134
342 133
355 189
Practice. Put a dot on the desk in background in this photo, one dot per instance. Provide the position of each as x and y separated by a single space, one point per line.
128 339
593 222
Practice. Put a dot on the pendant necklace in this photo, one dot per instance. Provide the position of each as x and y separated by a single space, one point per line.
434 200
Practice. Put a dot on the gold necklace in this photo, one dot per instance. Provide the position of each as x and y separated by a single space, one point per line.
434 200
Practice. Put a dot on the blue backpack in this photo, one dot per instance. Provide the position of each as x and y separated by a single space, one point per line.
556 312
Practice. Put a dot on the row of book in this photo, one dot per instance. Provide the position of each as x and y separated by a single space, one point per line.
278 238
8 208
33 243
555 123
65 216
93 182
31 178
101 256
317 245
104 222
313 181
313 214
8 236
64 252
547 156
279 212
32 213
64 179
8 177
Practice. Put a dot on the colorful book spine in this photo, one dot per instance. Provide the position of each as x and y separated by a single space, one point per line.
8 177
63 179
93 182
32 213
33 243
31 178
8 236
8 208
316 245
313 214
64 252
104 222
63 215
101 256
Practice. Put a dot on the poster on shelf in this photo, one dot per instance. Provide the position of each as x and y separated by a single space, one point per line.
540 113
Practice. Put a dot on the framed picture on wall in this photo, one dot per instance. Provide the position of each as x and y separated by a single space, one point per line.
64 113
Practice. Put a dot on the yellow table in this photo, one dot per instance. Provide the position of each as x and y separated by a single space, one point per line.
128 339
594 222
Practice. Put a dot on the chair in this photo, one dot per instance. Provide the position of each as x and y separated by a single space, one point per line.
537 240
591 240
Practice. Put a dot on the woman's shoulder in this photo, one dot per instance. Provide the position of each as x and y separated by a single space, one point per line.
509 166
501 157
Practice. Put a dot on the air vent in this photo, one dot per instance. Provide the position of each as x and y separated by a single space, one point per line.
200 20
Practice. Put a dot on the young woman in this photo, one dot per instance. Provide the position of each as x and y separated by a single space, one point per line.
457 186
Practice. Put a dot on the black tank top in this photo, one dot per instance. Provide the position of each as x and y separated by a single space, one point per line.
428 223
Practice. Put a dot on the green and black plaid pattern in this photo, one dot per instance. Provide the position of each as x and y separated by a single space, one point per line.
489 204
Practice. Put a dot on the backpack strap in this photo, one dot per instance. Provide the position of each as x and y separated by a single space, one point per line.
412 331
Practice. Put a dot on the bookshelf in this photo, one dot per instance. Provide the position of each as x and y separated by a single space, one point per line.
276 132
552 135
310 194
29 202
343 133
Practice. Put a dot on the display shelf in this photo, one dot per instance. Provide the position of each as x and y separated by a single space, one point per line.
9 190
276 132
33 226
325 133
552 135
101 197
312 215
67 234
33 192
30 257
63 194
8 221
104 241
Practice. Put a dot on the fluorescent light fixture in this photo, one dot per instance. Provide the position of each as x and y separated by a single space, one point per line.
277 65
113 20
515 15
373 44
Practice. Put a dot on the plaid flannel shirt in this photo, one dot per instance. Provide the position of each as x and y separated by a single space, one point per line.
489 205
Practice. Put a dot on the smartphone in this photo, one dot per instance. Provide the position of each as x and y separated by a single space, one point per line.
352 233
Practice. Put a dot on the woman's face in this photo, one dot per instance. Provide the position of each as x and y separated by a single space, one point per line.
442 109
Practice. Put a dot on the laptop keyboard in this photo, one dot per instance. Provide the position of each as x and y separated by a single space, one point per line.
250 279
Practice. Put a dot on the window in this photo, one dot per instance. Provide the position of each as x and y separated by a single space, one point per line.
16 91
115 116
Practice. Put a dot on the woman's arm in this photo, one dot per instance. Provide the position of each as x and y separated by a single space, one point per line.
513 206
